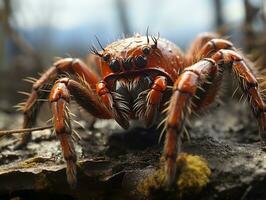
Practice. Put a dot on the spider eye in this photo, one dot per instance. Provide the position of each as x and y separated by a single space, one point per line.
146 50
106 57
114 65
128 63
140 61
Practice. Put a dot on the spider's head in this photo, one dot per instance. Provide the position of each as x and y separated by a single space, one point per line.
131 55
129 68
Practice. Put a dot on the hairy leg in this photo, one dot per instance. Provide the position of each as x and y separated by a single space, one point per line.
180 107
248 82
193 55
39 90
151 101
60 99
227 57
209 91
205 46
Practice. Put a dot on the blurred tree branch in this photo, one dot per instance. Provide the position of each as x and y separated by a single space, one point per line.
251 12
121 7
218 14
19 57
16 38
255 38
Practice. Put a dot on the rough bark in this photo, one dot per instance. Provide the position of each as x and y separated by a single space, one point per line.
227 137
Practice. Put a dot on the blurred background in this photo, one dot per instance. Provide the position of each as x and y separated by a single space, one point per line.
33 33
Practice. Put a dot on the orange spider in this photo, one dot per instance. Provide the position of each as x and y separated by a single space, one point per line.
143 78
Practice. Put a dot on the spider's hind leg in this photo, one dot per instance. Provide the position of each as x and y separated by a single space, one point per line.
248 83
227 56
30 109
193 54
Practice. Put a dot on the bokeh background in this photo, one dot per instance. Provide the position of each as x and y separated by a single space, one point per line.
33 33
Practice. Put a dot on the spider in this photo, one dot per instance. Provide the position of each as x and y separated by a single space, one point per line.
144 78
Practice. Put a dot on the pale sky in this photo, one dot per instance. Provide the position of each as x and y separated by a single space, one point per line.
76 22
66 14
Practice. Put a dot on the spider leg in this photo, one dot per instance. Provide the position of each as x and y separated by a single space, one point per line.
60 99
192 55
247 82
118 108
154 98
210 89
225 54
203 47
180 107
40 87
213 46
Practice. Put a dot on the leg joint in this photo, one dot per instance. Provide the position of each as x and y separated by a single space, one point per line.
187 82
64 80
210 60
59 91
251 85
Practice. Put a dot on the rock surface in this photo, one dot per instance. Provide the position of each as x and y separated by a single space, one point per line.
112 162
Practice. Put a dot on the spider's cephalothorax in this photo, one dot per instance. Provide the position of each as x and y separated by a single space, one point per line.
143 77
136 73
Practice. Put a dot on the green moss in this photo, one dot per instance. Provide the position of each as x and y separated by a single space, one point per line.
194 173
152 184
192 176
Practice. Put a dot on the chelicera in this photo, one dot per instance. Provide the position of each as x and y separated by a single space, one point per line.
143 78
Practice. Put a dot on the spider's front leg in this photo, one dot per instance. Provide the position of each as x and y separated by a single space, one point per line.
40 90
179 109
153 95
154 99
60 98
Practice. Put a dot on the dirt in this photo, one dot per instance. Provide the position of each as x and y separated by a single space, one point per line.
112 162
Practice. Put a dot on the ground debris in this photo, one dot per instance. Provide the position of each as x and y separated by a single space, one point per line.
113 162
